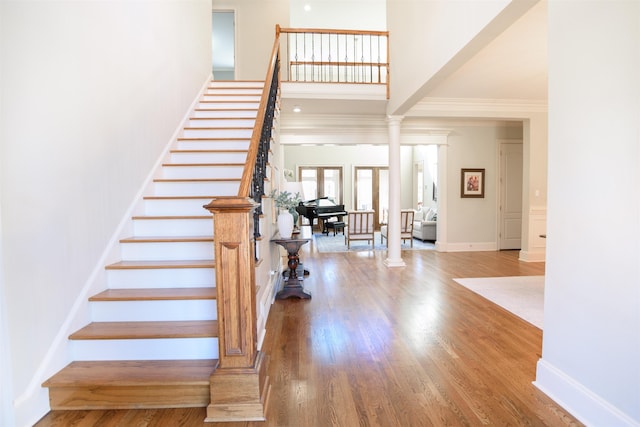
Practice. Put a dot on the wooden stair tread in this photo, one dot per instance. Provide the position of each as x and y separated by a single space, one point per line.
133 265
225 109
208 138
222 118
133 372
177 197
155 294
158 239
237 91
219 128
227 101
195 179
221 151
160 217
147 330
201 164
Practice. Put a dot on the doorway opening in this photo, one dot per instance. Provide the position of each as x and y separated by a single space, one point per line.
223 45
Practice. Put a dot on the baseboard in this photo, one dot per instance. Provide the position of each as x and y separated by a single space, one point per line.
466 247
530 256
582 403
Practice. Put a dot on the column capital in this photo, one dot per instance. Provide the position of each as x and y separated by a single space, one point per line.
394 119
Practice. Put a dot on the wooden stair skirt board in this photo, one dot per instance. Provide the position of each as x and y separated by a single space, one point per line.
131 384
153 338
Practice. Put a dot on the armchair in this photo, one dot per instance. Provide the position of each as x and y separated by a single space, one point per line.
406 226
359 227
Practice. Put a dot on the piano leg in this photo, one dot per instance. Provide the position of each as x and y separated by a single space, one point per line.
323 226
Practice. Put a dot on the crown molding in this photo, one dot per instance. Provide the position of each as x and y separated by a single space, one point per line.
479 108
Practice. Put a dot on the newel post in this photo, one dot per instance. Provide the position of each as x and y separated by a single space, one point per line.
239 386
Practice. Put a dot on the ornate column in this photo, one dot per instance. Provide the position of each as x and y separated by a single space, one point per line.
393 238
239 385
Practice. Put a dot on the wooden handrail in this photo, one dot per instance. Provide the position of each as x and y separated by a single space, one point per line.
247 174
335 31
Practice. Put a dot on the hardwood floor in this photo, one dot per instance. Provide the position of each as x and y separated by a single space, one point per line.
388 347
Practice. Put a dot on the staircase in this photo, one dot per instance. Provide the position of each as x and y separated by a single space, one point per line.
153 339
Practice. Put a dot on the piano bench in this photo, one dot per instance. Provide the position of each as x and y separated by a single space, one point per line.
336 226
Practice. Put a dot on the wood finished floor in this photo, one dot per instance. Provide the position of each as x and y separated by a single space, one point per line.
388 347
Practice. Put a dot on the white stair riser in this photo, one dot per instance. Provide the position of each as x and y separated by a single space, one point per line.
173 227
193 188
221 123
235 83
215 144
176 207
230 106
202 172
217 133
166 251
213 90
150 311
216 113
145 349
231 98
208 157
161 278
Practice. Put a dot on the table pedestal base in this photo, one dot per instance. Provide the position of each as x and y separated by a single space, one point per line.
293 289
293 283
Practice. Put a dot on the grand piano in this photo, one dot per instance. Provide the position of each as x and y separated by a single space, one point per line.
323 209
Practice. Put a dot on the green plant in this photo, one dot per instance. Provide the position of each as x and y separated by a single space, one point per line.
285 200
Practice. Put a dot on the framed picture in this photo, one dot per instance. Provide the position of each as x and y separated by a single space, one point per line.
472 183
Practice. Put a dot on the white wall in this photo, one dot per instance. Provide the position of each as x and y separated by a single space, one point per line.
591 342
339 14
471 222
91 94
255 33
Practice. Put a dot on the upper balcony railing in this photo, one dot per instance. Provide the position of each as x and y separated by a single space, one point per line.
335 56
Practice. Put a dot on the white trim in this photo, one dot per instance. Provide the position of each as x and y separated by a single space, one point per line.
587 407
467 246
462 107
532 256
35 400
347 91
394 263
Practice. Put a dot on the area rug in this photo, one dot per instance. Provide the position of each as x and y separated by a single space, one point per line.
337 243
521 295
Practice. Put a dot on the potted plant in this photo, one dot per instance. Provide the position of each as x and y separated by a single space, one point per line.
286 202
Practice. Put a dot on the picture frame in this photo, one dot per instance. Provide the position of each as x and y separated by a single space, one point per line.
472 183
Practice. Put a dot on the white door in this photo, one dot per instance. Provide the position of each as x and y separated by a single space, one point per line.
510 195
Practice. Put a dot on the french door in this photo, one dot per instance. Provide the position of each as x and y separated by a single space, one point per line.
372 191
320 182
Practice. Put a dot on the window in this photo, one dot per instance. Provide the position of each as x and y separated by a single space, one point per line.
372 191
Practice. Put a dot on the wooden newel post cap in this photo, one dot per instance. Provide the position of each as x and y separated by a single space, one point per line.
231 204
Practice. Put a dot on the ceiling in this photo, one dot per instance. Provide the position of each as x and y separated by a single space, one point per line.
511 68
